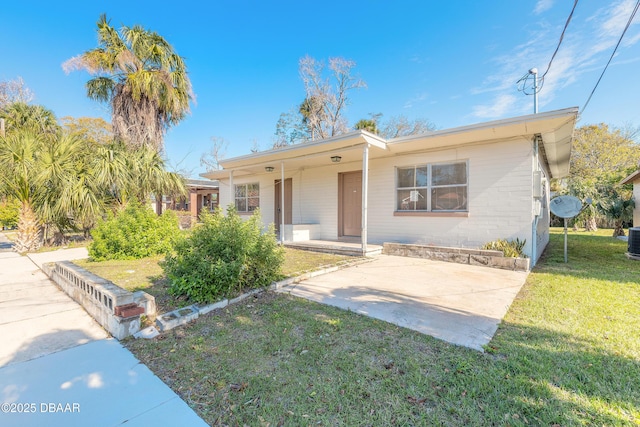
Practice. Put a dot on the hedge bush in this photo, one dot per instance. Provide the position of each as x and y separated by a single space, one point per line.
136 232
9 213
223 257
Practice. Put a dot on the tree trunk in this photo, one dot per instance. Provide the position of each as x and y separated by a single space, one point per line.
618 230
29 231
590 224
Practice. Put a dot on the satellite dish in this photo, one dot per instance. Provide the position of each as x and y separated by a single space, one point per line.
565 206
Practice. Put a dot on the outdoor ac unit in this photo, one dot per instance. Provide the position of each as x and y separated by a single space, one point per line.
634 241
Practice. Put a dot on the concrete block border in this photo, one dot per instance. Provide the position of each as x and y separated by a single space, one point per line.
481 257
117 310
181 316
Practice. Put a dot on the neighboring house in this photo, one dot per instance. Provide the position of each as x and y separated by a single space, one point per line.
459 187
634 179
203 194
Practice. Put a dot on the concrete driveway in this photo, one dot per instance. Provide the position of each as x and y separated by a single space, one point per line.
57 365
461 304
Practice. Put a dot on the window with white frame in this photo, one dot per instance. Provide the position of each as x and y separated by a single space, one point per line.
247 197
432 187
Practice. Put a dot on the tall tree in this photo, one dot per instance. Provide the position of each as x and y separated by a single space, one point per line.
327 98
14 91
601 156
211 159
142 78
291 128
19 181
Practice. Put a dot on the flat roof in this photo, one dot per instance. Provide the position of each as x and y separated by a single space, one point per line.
554 127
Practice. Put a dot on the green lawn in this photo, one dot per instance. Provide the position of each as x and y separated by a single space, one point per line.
567 353
146 274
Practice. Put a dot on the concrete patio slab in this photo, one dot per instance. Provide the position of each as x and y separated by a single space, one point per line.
461 304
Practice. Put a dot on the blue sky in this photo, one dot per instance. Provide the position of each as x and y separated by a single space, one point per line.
451 62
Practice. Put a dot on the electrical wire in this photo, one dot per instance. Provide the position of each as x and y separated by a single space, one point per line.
633 14
526 87
566 24
530 88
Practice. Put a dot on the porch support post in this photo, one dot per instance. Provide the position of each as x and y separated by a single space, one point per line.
365 194
232 191
282 201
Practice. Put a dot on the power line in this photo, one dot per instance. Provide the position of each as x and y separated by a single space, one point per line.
566 24
530 88
633 14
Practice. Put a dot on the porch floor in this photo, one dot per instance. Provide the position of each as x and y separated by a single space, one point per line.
351 247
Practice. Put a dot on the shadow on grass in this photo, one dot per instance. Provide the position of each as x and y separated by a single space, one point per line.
551 377
594 257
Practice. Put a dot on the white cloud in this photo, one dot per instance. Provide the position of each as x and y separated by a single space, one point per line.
542 6
586 47
415 100
500 105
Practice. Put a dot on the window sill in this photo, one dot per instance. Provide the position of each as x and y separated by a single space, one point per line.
432 214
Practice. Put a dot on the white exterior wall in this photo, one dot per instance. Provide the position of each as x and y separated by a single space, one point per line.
500 198
267 193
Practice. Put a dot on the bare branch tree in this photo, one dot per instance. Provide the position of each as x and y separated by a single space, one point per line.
398 126
327 98
14 91
211 159
255 146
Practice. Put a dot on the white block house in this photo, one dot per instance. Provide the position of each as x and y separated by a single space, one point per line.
459 187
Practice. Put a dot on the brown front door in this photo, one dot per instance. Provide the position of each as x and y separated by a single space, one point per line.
350 201
287 203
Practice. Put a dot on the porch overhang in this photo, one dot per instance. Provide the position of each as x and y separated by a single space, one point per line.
305 155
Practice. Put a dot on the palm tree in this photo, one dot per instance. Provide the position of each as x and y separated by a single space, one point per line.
19 115
18 180
143 174
617 207
369 125
144 80
72 190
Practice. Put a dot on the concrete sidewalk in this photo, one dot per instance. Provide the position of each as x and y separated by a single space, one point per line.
61 366
461 304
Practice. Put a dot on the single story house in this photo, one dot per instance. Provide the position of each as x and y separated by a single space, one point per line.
459 187
634 179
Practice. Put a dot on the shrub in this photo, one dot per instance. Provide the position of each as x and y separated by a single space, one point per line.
9 213
136 232
224 256
510 248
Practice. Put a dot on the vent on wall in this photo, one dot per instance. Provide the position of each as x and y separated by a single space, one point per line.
634 242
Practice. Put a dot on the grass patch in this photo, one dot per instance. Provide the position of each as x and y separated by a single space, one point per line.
137 275
298 261
567 353
147 275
